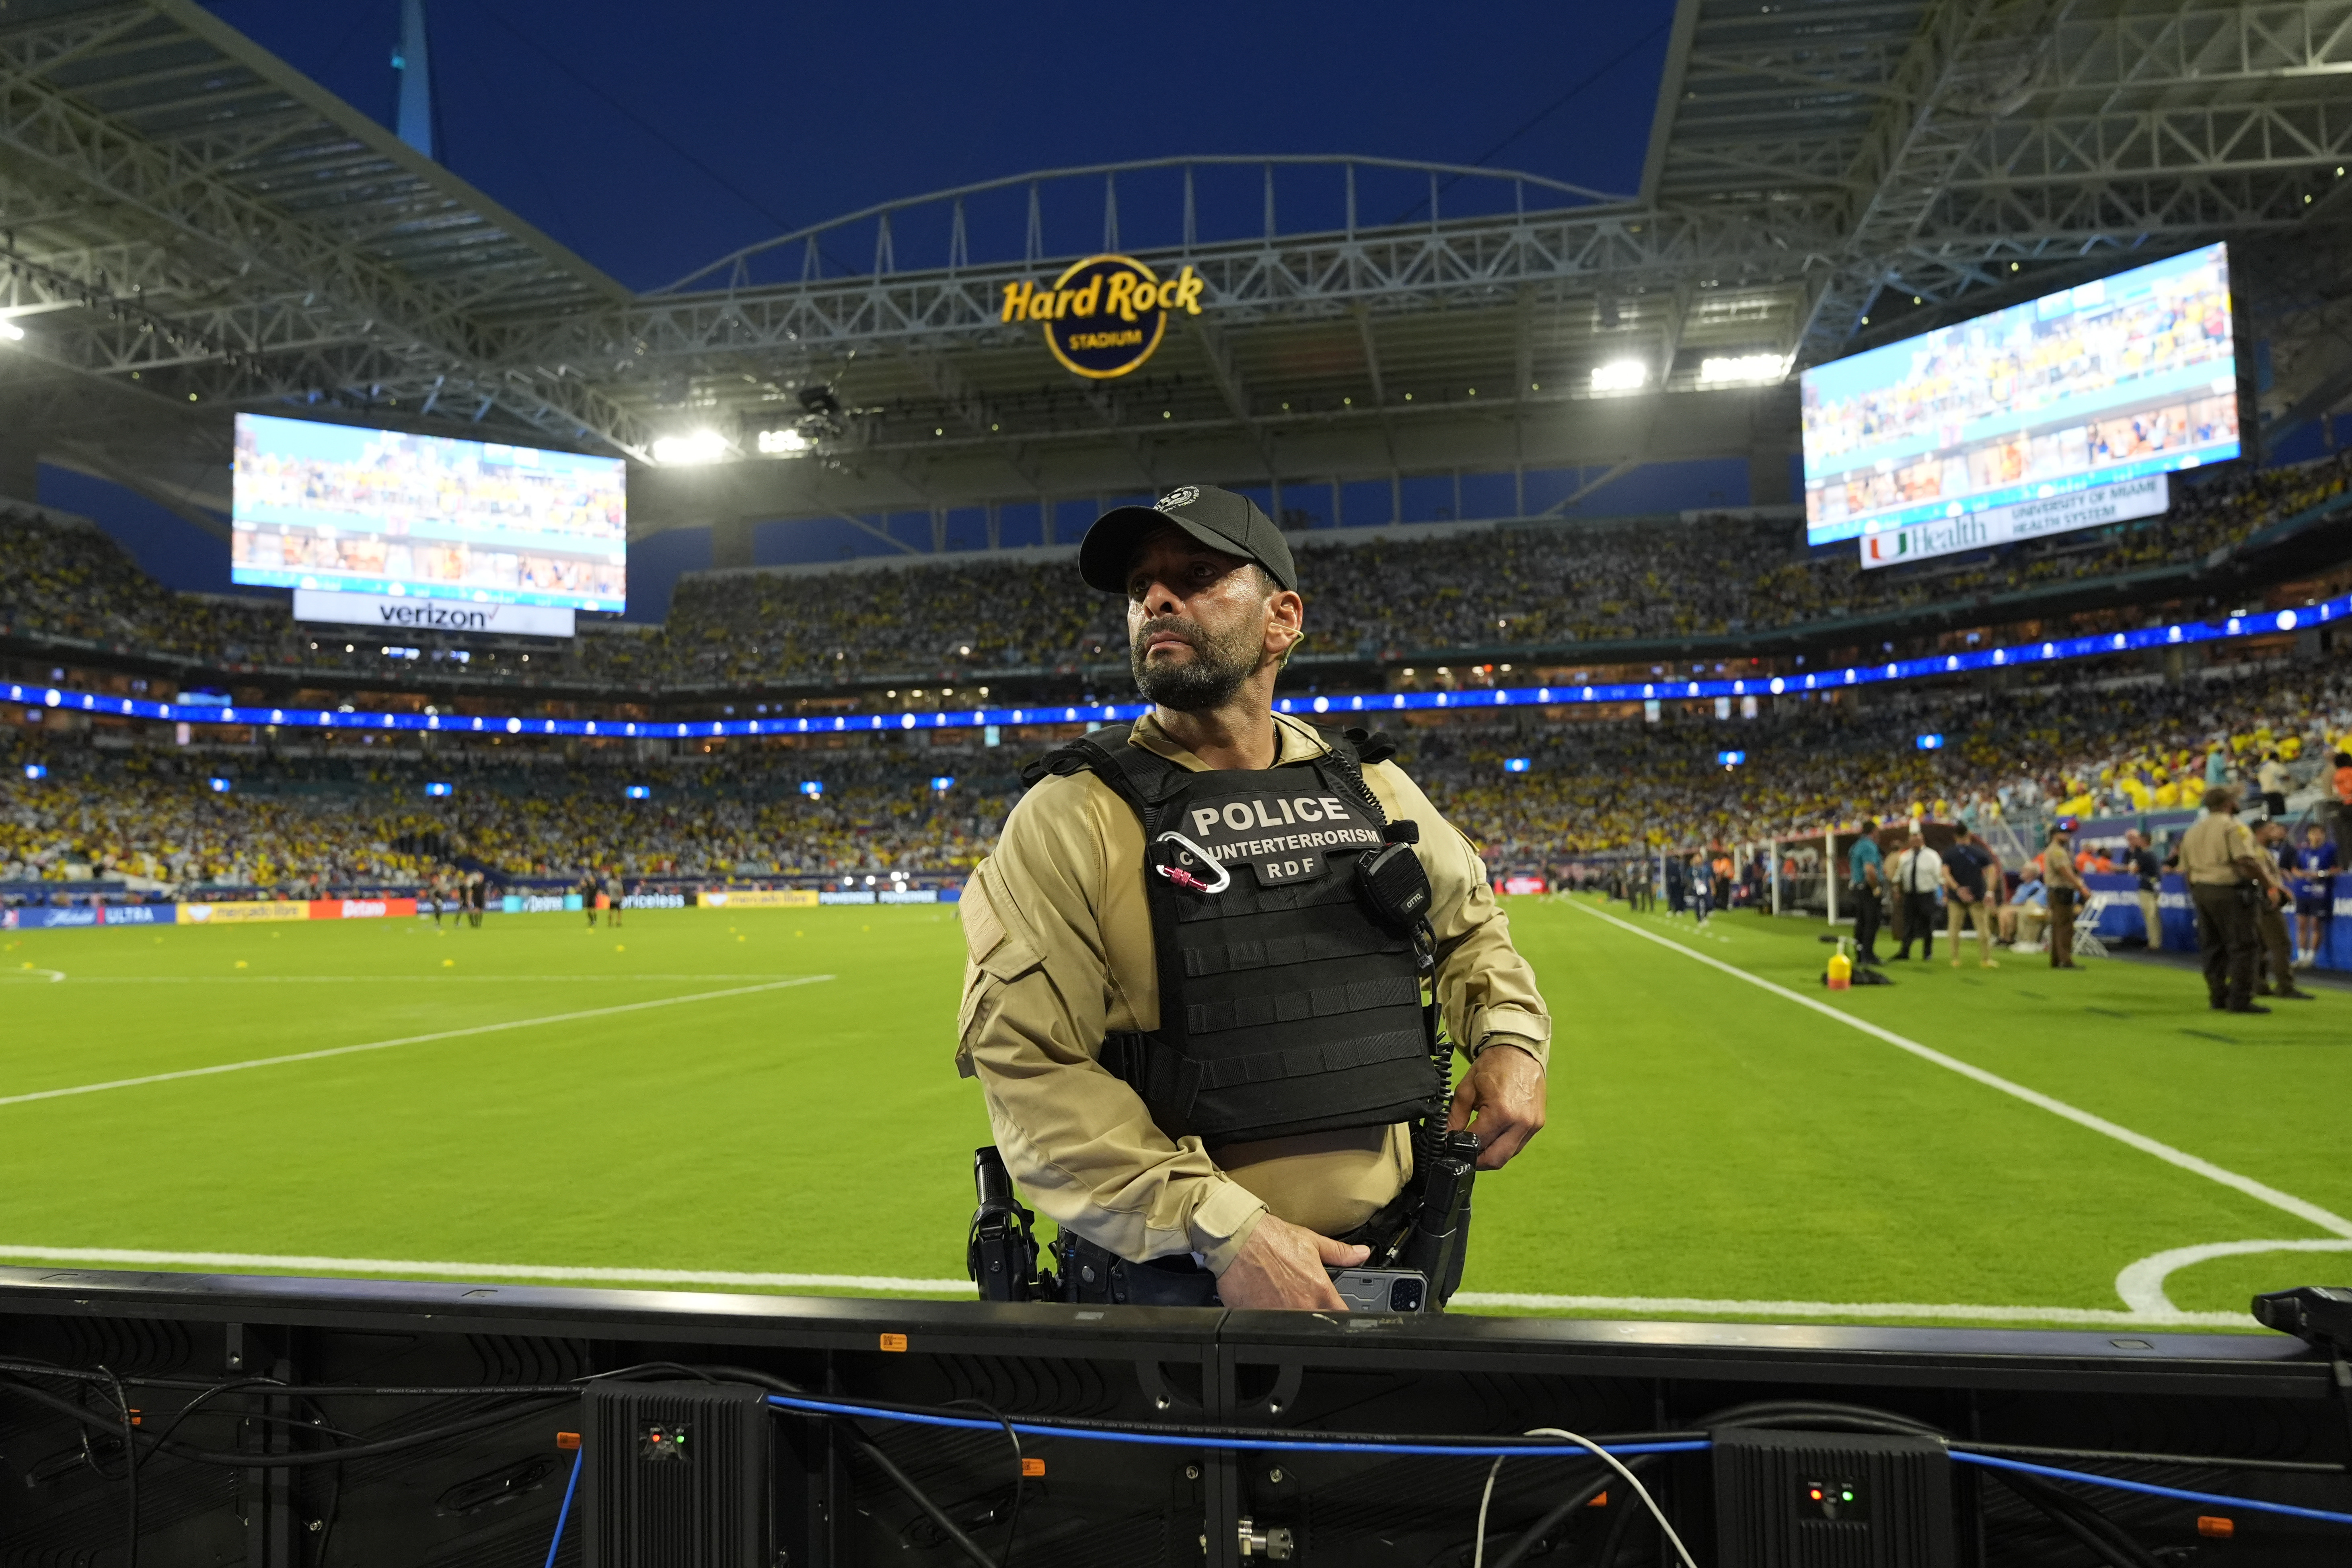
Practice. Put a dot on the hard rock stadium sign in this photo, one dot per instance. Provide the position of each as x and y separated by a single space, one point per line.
1105 315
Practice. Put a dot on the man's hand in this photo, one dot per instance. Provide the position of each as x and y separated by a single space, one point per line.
1505 1090
1282 1265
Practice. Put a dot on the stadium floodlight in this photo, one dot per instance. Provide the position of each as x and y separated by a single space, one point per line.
695 447
812 787
1515 765
1714 371
1731 758
11 332
943 783
1619 375
220 786
439 788
786 443
36 771
638 791
1931 743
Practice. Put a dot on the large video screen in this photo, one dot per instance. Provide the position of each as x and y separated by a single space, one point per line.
342 509
2130 376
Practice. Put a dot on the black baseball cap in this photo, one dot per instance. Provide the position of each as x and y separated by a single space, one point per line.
1218 519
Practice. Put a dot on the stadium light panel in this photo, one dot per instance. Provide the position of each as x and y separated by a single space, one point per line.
220 786
695 447
36 771
438 788
1742 367
812 787
786 443
1619 375
11 332
638 791
1931 743
1515 765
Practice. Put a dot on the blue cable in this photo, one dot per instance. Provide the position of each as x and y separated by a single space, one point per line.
1497 1451
2149 1487
1257 1445
565 1511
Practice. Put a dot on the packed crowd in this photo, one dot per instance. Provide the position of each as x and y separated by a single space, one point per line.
2072 748
1494 589
2022 757
155 816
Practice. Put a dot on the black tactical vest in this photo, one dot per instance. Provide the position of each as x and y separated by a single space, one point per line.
1283 1007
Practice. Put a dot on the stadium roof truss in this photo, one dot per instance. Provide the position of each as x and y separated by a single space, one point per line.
198 226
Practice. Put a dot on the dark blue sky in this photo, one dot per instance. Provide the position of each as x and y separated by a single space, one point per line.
590 117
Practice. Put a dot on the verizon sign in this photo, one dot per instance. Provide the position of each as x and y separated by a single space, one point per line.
2024 519
391 613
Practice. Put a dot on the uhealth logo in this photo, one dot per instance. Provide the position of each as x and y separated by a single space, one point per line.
1105 315
1928 539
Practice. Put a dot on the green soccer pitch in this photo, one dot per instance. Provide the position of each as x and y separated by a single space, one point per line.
719 1100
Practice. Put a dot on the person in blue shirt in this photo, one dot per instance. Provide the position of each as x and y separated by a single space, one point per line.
1866 880
2314 864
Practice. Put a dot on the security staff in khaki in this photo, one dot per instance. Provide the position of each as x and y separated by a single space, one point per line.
2223 868
1246 1126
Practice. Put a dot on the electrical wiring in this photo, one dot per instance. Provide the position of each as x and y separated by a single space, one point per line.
282 1461
899 1479
2147 1489
2108 1540
1237 1438
1486 1498
1614 1463
1519 1549
881 1461
129 1471
1020 1474
564 1512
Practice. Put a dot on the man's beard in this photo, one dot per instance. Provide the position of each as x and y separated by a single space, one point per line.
1209 679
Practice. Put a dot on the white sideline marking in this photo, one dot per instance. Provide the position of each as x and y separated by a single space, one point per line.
2141 1284
2260 1191
408 1040
28 974
413 1268
2168 1317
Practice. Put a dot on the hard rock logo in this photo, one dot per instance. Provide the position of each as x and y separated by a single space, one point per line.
1105 315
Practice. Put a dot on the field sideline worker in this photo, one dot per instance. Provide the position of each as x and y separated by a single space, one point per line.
1066 926
1917 872
2274 970
2224 867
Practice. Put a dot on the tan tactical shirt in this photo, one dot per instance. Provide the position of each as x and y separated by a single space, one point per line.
1060 947
2212 845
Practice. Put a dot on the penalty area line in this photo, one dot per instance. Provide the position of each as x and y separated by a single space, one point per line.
292 1056
2335 1224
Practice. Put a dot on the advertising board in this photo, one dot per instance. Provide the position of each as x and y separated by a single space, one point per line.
759 898
244 913
2118 379
343 508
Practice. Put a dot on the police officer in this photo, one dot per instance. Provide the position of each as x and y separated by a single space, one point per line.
1199 1055
2224 867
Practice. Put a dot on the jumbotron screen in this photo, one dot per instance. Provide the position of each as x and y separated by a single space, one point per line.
342 509
2111 384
